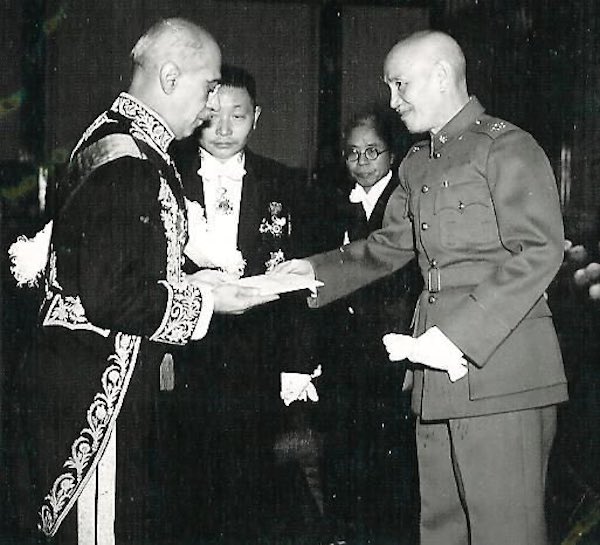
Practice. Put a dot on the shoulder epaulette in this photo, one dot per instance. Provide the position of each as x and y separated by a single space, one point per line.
492 126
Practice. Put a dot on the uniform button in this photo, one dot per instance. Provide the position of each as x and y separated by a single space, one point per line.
433 262
424 226
461 205
350 310
432 299
437 155
425 189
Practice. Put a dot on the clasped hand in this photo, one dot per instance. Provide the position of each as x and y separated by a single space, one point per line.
432 349
228 297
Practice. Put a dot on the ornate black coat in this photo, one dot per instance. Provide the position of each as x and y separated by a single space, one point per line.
115 304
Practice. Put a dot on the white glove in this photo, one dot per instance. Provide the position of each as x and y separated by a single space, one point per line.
299 387
432 349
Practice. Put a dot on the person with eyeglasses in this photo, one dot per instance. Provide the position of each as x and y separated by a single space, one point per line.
369 453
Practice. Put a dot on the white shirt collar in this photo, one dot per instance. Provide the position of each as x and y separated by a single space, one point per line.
369 200
211 167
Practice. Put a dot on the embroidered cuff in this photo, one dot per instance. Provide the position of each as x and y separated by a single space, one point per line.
184 309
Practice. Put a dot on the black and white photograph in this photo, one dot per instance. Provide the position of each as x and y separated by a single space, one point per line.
320 272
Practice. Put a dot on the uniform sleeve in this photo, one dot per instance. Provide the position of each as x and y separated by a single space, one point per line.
122 257
530 227
355 265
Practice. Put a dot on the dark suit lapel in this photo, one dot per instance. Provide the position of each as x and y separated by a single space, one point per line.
192 182
357 227
251 210
376 219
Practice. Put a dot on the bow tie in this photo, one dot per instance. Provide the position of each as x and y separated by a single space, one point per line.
213 170
358 195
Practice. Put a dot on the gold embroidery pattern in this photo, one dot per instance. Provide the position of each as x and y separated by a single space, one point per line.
184 301
174 222
183 310
68 312
90 445
145 125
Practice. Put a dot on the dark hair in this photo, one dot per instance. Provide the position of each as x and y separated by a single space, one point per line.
382 121
234 76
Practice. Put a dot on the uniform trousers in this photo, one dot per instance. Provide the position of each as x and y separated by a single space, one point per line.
482 479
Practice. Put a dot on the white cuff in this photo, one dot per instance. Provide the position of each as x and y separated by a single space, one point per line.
457 369
206 312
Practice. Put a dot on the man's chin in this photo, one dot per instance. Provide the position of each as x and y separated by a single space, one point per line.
221 151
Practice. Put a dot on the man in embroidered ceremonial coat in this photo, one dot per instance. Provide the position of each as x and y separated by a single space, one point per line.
479 205
232 402
93 453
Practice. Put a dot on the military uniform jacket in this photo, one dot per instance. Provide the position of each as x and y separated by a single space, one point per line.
115 303
479 205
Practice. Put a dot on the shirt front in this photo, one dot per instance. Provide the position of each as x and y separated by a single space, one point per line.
222 184
369 199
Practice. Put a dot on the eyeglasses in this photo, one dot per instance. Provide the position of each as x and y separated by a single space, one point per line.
370 153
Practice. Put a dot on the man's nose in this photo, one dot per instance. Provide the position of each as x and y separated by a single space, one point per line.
362 159
223 127
395 99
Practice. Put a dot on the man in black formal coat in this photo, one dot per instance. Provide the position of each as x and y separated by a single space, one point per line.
91 448
241 205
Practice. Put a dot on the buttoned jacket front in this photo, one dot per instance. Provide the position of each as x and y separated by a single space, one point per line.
479 205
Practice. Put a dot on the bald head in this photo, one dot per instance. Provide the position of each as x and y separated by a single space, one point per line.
426 74
176 65
431 47
177 40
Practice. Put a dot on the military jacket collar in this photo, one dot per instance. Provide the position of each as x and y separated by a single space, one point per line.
150 126
469 114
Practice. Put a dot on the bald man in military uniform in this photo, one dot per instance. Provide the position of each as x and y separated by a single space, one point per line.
478 203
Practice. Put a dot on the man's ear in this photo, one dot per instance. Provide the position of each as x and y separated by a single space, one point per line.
169 74
443 73
257 110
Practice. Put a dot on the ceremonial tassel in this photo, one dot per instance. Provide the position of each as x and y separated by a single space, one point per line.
167 373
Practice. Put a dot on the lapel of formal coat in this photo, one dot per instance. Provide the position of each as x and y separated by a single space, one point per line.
194 187
376 220
251 210
357 226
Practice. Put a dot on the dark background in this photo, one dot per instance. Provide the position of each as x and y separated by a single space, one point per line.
533 62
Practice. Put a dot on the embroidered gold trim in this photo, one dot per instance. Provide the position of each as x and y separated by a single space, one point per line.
145 125
88 448
68 311
174 222
183 311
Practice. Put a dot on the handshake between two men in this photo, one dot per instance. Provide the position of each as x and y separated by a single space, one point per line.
236 296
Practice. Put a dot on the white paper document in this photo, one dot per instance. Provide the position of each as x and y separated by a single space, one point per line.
274 283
